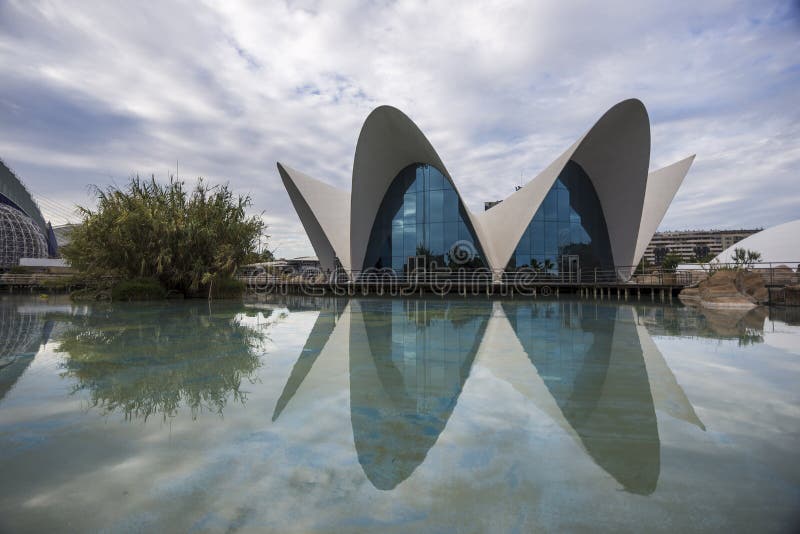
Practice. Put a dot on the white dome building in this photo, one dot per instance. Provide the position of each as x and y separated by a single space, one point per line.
779 244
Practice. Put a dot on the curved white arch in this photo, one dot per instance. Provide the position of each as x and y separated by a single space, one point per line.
324 211
615 154
661 188
389 142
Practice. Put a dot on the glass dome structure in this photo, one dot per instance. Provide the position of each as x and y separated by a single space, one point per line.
20 237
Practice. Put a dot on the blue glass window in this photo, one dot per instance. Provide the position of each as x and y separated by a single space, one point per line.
551 205
569 222
420 215
537 237
436 206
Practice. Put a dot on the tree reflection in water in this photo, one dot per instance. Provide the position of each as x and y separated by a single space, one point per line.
143 360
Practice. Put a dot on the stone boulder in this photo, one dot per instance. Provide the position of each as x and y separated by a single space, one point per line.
752 285
728 289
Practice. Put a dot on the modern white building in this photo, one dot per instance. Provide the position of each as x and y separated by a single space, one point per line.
778 244
595 207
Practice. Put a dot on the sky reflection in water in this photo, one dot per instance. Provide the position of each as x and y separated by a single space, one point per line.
449 401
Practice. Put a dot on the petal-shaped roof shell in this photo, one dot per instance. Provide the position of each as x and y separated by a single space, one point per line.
614 152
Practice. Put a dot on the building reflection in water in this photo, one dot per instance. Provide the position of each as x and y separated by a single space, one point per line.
23 330
408 363
592 363
591 367
329 313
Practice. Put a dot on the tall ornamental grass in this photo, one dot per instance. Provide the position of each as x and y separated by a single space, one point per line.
187 240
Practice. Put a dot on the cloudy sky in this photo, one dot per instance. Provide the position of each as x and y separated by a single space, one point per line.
92 93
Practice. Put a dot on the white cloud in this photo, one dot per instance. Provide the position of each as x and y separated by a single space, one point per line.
95 94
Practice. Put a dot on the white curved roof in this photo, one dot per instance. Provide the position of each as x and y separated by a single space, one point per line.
324 211
778 244
614 152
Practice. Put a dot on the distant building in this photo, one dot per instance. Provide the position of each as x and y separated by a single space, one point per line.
19 238
63 233
490 204
23 230
300 265
690 244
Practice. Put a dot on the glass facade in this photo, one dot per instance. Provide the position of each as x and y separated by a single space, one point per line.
20 237
568 232
422 220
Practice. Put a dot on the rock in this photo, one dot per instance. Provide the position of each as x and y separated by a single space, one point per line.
690 295
735 322
752 285
728 289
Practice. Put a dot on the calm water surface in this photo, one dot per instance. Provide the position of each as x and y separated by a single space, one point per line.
363 415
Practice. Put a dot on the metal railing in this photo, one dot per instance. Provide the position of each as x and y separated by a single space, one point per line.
773 274
32 279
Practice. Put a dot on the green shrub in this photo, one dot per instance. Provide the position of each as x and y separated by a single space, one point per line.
182 237
745 258
670 263
139 289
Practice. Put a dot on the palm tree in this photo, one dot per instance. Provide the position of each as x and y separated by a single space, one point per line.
745 258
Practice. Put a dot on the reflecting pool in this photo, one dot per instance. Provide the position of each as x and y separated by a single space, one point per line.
298 414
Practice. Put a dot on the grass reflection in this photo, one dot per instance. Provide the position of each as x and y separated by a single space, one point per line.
150 360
